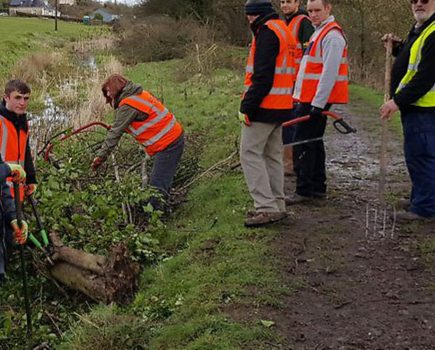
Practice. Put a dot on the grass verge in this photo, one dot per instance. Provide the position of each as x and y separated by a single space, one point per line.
20 37
366 101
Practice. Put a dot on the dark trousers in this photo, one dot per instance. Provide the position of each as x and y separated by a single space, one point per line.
5 245
288 133
164 169
309 158
419 146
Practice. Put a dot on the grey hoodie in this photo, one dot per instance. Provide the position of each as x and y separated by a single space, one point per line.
333 45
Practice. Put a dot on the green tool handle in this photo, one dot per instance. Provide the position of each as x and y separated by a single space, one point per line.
35 241
38 220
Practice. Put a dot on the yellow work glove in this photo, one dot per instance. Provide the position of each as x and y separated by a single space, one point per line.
17 172
30 189
20 234
243 118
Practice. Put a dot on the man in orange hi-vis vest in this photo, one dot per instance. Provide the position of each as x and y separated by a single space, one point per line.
15 160
322 80
301 28
266 103
152 125
14 133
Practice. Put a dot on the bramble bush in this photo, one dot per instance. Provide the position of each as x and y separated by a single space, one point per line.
86 208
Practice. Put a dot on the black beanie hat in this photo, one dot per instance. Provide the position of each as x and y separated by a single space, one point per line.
258 7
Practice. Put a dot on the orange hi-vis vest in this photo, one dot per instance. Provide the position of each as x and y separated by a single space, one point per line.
294 26
280 95
314 68
159 130
13 148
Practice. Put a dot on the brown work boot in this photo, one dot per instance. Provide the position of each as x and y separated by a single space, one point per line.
297 199
409 216
288 161
262 218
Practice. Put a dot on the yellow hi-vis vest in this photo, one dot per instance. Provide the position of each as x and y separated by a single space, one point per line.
427 100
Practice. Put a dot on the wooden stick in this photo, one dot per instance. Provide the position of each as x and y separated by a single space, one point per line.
384 133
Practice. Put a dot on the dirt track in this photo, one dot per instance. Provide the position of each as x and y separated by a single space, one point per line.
355 288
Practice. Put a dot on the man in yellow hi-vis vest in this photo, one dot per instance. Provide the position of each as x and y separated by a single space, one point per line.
413 91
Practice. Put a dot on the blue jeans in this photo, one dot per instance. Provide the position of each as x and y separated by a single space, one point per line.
419 147
164 169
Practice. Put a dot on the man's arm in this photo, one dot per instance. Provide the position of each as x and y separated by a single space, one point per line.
333 46
29 166
124 116
264 70
7 201
424 78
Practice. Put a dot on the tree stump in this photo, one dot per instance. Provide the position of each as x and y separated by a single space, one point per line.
103 279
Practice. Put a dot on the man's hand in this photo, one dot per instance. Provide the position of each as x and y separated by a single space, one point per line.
393 38
316 112
388 109
17 172
96 163
30 189
243 118
20 233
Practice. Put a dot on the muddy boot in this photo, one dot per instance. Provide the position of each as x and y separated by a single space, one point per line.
403 204
409 216
262 218
288 160
297 199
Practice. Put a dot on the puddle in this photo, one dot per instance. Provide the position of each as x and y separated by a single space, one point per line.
43 125
353 160
53 118
88 61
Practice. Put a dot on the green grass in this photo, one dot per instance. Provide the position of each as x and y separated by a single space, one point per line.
427 250
214 265
366 101
205 107
22 36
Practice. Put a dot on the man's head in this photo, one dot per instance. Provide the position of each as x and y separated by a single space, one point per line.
112 87
289 7
16 96
319 10
422 10
256 8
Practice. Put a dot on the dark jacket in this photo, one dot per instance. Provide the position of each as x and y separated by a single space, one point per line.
7 214
424 78
305 30
20 123
264 70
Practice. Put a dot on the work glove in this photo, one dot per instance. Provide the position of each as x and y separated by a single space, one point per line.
96 163
30 189
316 112
243 118
20 234
17 172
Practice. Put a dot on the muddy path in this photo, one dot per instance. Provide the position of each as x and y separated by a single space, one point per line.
353 286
